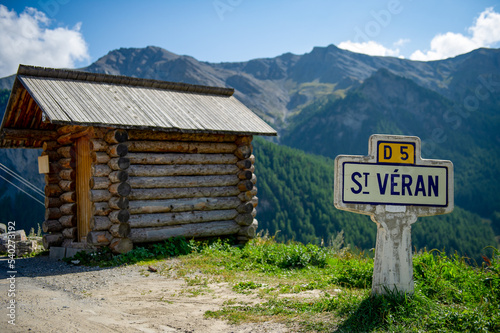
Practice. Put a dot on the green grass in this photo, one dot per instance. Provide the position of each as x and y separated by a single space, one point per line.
451 293
327 289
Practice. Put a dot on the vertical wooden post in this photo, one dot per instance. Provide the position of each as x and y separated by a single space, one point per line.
83 169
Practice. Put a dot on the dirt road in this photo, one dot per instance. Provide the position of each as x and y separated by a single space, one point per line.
52 296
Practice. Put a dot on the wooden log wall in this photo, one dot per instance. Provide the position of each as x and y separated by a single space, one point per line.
60 206
114 211
248 195
181 184
148 186
51 224
61 199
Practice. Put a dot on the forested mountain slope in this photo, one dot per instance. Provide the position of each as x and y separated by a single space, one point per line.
389 104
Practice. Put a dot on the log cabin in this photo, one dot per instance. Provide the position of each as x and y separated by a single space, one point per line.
130 161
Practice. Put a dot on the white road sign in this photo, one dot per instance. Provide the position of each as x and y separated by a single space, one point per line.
393 174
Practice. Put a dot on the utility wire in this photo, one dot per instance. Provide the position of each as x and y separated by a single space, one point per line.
22 180
8 181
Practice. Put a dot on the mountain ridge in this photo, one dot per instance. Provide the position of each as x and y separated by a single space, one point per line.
329 101
276 87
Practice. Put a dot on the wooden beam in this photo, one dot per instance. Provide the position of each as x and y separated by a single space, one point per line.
151 158
180 147
169 136
164 219
189 192
28 134
70 129
183 170
70 137
185 181
184 204
218 228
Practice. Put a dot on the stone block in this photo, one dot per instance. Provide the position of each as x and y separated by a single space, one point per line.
57 253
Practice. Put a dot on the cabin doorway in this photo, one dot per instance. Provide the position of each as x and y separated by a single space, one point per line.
83 203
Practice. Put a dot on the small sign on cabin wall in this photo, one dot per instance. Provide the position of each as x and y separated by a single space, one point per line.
394 185
43 164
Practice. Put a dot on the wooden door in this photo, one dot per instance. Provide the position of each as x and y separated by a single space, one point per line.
83 203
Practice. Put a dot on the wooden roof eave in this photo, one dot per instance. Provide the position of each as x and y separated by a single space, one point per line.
13 137
8 109
162 129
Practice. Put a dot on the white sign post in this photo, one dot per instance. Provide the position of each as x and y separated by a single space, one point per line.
395 186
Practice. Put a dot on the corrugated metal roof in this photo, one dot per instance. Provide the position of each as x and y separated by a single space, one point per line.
72 97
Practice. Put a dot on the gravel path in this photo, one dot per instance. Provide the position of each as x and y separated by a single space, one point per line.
52 296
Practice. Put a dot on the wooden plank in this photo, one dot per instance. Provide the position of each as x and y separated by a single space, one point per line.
84 204
15 106
29 113
22 102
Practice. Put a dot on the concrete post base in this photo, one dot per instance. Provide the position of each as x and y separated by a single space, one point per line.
393 265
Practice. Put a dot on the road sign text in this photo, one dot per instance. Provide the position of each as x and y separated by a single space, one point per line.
394 184
396 152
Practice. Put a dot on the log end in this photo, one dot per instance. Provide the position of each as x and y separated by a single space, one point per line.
51 226
244 219
120 230
52 240
249 231
99 238
121 245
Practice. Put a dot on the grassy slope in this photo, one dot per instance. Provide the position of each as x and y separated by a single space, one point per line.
327 289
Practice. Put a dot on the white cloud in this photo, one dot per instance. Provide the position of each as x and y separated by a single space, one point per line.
371 48
402 42
27 39
484 33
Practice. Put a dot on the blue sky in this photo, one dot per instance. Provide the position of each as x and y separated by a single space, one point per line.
72 33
